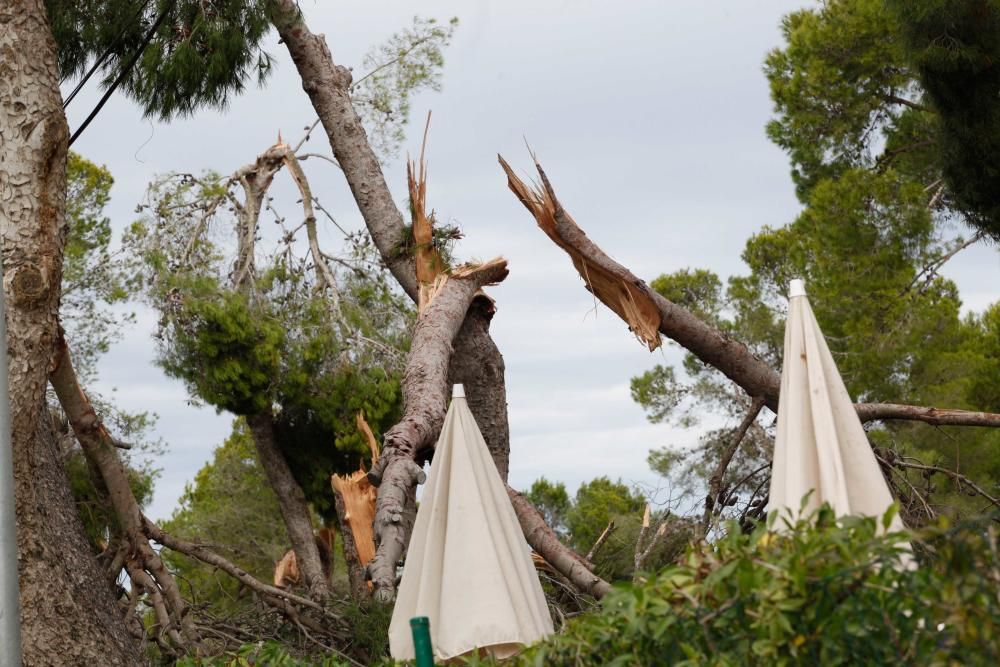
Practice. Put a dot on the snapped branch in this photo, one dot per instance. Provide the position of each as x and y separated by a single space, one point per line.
644 309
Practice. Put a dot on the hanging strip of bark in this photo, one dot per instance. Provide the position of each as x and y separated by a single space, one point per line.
545 542
615 286
99 448
425 397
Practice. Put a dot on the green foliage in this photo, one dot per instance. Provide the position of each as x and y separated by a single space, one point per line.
877 224
226 349
552 500
230 506
409 61
369 623
201 55
826 591
596 503
832 86
954 45
95 276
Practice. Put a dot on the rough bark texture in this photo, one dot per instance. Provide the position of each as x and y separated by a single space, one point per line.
425 397
478 364
142 562
292 503
68 611
732 358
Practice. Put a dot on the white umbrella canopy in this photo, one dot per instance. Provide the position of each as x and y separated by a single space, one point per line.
821 446
468 567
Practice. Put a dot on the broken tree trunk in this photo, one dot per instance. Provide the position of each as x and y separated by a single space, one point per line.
544 541
425 397
68 612
328 87
478 365
649 314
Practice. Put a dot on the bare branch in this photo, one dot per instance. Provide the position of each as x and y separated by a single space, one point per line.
605 534
715 481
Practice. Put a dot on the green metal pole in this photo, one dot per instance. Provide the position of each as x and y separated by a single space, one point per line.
421 627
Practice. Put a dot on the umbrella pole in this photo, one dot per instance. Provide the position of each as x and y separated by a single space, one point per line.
421 628
10 616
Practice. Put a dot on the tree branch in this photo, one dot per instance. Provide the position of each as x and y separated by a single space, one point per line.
145 566
565 561
715 481
633 300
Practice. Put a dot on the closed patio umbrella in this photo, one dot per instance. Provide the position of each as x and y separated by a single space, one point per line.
468 567
821 445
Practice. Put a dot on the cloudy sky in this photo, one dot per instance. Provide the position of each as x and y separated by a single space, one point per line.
648 116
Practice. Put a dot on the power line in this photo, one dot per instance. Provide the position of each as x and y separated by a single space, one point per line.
121 75
104 56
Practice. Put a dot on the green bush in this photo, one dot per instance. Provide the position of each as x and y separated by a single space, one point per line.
829 591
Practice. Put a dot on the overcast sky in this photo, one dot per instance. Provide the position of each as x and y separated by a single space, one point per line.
649 118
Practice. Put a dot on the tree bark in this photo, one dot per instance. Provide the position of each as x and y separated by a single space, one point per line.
328 88
566 561
478 364
425 397
713 347
292 503
68 612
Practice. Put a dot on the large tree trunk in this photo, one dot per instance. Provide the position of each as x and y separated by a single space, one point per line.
425 398
68 611
328 87
478 364
292 503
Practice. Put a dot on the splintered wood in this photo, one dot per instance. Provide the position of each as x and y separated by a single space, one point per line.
429 264
624 294
359 496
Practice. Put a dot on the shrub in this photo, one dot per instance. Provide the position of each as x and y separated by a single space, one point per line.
829 591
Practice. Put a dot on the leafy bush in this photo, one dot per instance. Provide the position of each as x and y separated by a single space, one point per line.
829 591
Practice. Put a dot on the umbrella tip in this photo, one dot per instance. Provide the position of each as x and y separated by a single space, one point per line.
458 391
796 287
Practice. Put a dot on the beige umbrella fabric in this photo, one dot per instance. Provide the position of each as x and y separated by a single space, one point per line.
468 567
820 445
